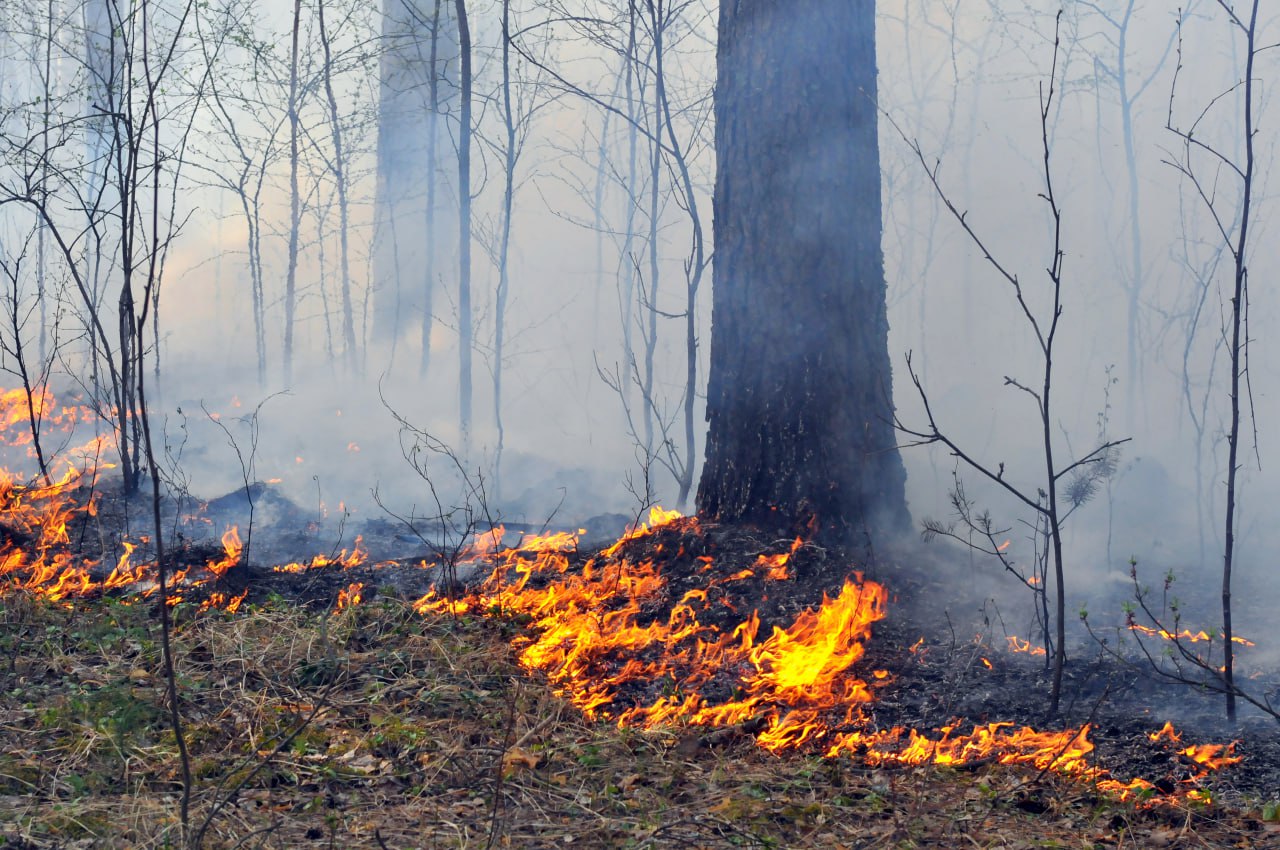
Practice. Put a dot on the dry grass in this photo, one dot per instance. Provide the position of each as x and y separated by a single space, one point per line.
373 727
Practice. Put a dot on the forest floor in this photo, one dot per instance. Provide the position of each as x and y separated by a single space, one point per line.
315 719
374 726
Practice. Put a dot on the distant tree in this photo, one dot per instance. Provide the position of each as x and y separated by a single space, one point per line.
337 163
417 88
295 209
465 328
799 389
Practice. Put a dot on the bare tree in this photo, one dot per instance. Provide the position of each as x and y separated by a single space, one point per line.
30 368
644 39
291 278
465 328
1203 164
248 118
338 165
519 101
1062 488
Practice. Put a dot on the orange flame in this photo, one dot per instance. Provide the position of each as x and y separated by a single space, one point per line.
357 557
352 594
1017 644
232 547
1185 635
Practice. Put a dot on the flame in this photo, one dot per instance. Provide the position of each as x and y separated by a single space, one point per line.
658 517
355 558
220 601
352 594
798 686
231 547
1185 635
777 564
592 637
38 555
1212 756
1017 644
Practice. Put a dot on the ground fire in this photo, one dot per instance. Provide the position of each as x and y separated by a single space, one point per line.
656 630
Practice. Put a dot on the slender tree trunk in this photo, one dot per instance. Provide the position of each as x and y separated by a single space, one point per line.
693 269
432 168
248 207
35 409
340 178
322 275
597 216
651 298
291 276
504 249
45 123
127 144
627 296
1239 359
464 230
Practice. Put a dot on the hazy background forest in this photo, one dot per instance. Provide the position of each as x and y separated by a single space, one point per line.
595 122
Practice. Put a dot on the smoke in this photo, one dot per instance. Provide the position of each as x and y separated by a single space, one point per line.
1140 351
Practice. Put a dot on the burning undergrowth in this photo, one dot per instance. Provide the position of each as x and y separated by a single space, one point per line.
775 641
702 628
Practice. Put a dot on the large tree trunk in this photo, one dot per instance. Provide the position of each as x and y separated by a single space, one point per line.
799 397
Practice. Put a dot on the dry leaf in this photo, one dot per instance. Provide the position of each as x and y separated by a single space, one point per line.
518 757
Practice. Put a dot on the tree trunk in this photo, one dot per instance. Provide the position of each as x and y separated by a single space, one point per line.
350 352
464 230
291 276
432 168
799 396
510 155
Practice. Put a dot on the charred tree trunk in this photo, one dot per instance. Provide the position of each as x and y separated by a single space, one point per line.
799 391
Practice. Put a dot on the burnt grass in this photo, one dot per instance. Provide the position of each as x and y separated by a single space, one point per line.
948 665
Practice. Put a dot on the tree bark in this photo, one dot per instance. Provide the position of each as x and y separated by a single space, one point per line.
799 396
